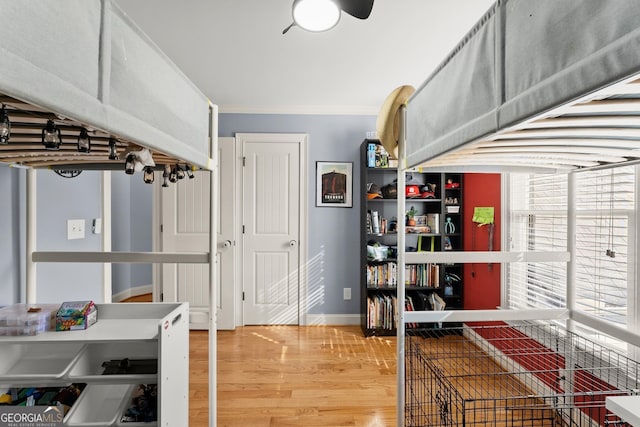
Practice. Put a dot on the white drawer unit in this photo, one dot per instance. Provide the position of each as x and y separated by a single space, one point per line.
133 331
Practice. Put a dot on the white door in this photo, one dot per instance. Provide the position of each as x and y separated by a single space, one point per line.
185 228
227 235
271 222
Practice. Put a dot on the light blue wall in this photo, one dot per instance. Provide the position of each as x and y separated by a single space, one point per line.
58 200
141 228
334 233
120 228
10 242
131 228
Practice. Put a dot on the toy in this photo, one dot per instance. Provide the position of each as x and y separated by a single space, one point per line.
76 315
144 402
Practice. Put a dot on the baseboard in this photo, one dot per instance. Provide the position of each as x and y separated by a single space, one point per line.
334 319
132 292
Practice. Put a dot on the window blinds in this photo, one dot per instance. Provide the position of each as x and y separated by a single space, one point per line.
604 241
538 222
605 210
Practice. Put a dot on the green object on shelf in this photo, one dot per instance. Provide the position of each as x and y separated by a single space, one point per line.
432 247
483 215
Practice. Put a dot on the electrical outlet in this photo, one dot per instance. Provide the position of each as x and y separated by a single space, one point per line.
75 229
346 293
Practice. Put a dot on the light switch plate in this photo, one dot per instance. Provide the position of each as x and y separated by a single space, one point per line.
75 229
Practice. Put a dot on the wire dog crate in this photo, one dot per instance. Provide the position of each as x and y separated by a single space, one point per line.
512 375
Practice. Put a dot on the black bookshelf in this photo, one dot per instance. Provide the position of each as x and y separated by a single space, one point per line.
438 226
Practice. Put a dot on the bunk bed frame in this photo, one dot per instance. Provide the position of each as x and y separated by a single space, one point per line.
106 76
537 87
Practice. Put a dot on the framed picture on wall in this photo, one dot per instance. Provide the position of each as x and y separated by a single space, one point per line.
334 184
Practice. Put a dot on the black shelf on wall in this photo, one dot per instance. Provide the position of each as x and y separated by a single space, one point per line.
436 206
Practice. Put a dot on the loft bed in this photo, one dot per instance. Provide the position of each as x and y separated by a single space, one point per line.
536 87
104 75
83 65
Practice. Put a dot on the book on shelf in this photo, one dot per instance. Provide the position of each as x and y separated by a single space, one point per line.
382 275
437 304
408 306
433 221
383 225
381 311
422 275
375 222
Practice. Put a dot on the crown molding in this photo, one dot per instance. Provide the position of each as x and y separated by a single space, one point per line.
340 110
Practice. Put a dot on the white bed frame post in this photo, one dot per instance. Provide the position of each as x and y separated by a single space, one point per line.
31 236
107 291
400 262
213 235
571 248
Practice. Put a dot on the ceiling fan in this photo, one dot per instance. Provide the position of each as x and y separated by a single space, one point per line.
322 15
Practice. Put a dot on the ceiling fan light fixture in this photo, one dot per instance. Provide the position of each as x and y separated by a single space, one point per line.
316 15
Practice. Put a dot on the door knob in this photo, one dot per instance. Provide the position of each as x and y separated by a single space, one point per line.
227 243
292 243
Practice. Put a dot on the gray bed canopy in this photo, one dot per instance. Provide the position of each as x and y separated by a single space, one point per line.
84 64
545 86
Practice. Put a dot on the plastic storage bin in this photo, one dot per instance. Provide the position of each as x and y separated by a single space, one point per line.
27 361
27 319
100 405
92 359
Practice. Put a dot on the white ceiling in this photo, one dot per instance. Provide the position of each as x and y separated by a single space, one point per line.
234 51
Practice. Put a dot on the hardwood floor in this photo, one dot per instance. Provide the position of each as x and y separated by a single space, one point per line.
296 376
282 376
139 298
312 376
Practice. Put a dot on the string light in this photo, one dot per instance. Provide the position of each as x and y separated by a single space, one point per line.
165 175
51 136
84 141
148 175
130 164
5 126
189 172
113 150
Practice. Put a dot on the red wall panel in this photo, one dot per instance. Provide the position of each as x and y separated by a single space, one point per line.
481 281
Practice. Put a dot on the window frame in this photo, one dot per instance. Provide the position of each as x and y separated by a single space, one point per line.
632 317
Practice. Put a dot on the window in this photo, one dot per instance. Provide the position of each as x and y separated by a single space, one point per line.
538 222
605 242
